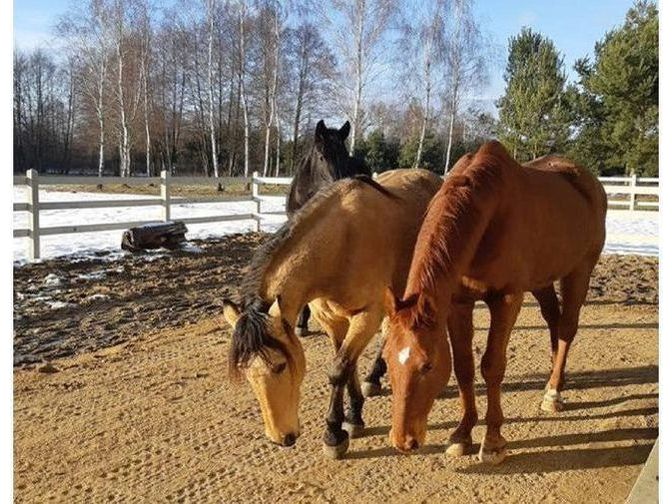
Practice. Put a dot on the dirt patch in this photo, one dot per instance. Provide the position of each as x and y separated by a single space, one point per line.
62 307
156 420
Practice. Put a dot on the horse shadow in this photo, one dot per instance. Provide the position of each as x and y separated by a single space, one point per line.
564 459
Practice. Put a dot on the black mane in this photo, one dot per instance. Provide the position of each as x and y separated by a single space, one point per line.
251 338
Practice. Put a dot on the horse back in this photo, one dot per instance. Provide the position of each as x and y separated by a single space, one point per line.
579 178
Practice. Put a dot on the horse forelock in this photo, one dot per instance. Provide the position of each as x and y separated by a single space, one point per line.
251 339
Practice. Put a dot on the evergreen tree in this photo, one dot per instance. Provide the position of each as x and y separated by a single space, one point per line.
534 118
616 100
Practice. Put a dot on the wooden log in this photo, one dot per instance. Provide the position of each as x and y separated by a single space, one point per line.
152 236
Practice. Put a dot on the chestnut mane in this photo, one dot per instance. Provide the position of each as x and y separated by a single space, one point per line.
455 221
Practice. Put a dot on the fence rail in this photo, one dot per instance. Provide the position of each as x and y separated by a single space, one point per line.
625 189
34 231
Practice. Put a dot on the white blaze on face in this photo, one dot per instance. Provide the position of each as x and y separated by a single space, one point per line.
404 355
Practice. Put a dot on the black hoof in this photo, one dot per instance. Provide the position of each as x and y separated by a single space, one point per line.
338 451
302 332
370 389
353 429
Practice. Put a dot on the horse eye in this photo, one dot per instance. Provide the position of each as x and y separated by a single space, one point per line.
426 368
279 368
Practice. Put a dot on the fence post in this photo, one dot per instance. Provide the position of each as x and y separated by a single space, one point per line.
32 179
165 194
257 201
633 189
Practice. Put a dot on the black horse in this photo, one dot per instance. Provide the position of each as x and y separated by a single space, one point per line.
328 160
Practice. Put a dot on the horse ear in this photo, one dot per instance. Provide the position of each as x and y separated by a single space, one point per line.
231 312
276 311
344 131
320 130
427 306
389 302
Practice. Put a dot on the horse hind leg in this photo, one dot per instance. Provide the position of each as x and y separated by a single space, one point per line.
550 310
372 386
302 326
574 288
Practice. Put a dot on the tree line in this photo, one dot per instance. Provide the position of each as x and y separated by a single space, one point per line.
224 88
608 119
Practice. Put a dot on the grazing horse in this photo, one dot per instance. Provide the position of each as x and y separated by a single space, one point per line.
339 253
494 231
328 160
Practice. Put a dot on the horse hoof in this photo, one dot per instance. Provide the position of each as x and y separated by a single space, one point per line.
371 389
552 402
459 448
492 457
353 430
336 452
301 332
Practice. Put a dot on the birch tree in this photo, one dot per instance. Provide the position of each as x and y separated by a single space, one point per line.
465 60
421 48
242 70
211 97
358 30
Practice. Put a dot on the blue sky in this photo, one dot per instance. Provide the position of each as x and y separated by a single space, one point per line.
573 25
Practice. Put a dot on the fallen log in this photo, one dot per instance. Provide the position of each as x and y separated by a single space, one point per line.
152 236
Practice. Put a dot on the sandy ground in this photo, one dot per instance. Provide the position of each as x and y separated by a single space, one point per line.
156 420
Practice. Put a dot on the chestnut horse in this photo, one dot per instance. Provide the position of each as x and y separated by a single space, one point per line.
339 253
495 230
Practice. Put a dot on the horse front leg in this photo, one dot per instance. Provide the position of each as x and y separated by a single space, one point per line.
461 333
503 313
361 329
336 440
354 423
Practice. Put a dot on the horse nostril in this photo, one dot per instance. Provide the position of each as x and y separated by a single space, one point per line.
289 440
413 445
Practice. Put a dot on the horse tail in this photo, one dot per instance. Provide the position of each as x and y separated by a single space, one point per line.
366 179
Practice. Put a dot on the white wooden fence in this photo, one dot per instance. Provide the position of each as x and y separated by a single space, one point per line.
627 190
34 231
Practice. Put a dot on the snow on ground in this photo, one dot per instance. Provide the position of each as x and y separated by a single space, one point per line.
88 243
627 232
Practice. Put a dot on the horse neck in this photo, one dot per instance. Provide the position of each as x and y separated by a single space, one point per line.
456 220
292 264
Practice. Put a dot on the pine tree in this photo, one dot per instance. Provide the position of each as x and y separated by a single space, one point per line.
616 100
534 118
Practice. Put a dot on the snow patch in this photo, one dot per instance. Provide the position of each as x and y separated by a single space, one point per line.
52 280
94 275
57 305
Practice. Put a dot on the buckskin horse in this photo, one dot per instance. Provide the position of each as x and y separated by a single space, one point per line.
327 161
339 253
494 230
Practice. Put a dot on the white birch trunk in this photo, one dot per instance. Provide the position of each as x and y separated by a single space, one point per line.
211 98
